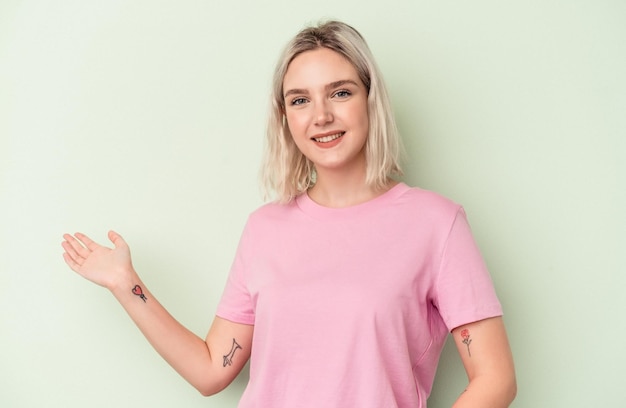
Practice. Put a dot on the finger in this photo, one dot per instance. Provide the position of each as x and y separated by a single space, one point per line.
88 242
69 251
74 247
70 262
116 239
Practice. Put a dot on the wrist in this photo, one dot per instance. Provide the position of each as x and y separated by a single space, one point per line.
126 282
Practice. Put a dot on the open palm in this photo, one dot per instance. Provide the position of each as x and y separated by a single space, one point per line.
102 265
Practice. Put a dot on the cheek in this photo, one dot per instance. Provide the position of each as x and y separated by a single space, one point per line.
295 125
357 111
360 117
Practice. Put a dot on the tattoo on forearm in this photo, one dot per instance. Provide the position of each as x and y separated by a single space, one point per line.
137 291
228 358
465 334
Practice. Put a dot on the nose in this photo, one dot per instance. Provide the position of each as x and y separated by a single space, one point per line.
323 113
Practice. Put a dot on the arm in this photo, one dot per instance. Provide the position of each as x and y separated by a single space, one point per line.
209 365
487 358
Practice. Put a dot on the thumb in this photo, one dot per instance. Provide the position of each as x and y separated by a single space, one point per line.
116 239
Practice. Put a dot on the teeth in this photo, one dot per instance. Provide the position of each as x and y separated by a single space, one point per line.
327 139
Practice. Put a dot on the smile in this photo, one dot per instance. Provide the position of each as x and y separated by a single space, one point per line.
329 138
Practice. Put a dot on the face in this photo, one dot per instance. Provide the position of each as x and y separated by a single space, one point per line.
326 110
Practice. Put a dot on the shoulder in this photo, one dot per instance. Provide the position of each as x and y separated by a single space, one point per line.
272 209
428 203
270 215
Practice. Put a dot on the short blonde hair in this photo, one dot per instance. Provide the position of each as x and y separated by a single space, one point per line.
286 172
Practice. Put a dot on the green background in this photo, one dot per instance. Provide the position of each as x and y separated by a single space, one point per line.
148 117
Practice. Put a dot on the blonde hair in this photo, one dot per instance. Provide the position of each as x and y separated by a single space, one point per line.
286 172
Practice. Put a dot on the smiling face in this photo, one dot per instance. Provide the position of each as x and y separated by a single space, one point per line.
326 110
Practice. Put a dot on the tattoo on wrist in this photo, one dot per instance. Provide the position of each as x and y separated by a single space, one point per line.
465 334
138 292
228 358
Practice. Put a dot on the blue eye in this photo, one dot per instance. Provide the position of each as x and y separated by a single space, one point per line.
344 93
298 101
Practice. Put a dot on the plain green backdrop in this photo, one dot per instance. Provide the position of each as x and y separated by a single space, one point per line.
148 117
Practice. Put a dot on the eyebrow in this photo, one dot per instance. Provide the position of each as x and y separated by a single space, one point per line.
331 85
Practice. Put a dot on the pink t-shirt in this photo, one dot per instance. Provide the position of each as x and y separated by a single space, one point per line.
351 306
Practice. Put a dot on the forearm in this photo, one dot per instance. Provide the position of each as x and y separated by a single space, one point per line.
488 392
187 353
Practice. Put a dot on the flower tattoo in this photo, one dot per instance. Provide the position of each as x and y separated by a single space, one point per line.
465 334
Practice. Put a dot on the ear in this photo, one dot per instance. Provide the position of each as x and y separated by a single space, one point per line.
282 112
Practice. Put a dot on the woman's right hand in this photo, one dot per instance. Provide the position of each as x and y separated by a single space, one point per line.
197 360
108 267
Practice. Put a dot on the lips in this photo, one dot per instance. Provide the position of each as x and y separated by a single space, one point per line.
328 138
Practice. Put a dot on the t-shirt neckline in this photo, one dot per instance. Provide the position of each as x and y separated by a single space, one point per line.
310 207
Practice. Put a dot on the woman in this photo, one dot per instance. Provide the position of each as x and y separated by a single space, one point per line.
344 288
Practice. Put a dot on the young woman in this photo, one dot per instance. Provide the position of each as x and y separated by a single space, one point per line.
344 288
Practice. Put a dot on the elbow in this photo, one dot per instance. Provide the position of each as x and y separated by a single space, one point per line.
494 390
508 389
207 393
209 389
511 390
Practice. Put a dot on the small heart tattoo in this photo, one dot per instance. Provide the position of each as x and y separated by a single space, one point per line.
137 291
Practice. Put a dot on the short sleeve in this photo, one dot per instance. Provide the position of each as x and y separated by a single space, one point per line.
236 303
465 291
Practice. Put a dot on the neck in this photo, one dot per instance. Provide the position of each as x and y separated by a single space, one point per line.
343 189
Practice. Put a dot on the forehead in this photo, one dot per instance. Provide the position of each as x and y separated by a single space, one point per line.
318 67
